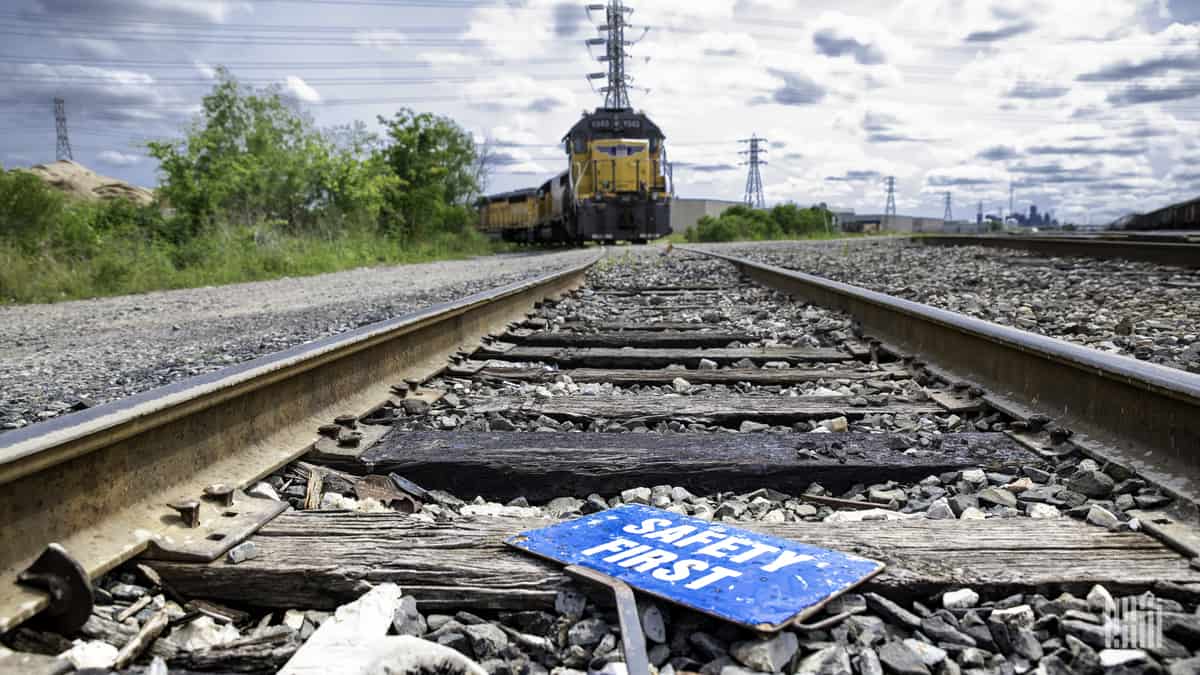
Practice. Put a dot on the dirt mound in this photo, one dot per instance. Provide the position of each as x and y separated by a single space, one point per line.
79 181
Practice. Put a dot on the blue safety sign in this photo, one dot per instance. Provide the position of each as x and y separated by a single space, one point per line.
748 578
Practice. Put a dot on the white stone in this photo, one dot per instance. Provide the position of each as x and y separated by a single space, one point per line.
638 495
242 552
492 510
680 494
836 425
767 655
294 619
332 501
1098 515
960 599
371 505
1021 616
681 385
1043 511
1111 658
1100 600
95 654
972 513
263 490
203 633
749 427
706 364
974 476
868 514
775 516
930 655
940 510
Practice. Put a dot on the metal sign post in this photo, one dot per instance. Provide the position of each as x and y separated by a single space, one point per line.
636 660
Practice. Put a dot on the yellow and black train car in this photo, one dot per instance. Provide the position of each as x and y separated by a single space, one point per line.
616 188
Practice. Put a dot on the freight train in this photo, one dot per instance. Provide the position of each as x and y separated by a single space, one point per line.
616 188
1183 216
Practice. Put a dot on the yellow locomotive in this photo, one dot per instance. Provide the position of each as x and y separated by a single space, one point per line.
616 188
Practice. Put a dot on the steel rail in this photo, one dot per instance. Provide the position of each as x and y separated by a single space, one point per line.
1147 417
98 482
1182 254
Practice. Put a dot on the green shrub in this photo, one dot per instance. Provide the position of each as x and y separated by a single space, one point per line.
742 223
255 192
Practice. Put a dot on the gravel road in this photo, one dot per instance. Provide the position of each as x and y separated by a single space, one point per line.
1149 312
57 357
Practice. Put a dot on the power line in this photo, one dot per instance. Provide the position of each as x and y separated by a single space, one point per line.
754 184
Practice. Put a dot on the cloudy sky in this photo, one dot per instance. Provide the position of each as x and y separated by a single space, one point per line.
1089 108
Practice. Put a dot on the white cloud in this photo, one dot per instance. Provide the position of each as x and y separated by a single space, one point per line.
300 90
115 158
518 94
207 71
216 11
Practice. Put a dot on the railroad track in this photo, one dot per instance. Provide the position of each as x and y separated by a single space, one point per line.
990 469
1178 249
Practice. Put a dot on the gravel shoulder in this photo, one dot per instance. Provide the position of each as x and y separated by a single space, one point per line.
1141 310
61 356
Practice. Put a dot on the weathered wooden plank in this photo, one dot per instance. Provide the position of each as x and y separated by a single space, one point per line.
614 326
667 376
641 339
724 410
503 466
669 292
321 560
669 289
656 358
680 307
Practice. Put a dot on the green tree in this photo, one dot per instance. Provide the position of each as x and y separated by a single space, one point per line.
251 157
29 209
434 161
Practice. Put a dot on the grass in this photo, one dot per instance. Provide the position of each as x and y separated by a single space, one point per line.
228 256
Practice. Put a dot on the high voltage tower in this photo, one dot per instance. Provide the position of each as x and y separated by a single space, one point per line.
949 216
616 93
889 211
979 215
60 123
754 185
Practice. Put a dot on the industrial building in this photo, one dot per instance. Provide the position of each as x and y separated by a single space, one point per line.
685 213
878 222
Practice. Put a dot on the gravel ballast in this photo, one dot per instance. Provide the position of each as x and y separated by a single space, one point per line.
1141 310
66 356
